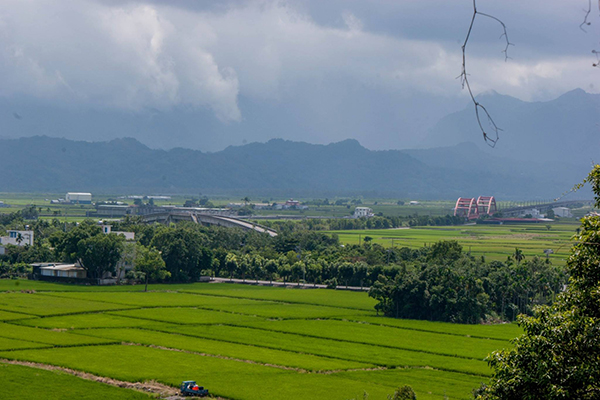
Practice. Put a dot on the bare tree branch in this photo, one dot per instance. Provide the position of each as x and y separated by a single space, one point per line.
588 23
587 14
490 138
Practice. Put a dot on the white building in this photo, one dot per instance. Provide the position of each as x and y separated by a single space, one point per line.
78 198
562 212
17 238
363 212
534 212
59 270
106 229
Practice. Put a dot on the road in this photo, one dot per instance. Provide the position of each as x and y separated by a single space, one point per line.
287 284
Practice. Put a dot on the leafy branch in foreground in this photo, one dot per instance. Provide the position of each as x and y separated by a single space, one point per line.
558 356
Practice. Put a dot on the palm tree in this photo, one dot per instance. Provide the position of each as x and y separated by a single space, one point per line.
518 255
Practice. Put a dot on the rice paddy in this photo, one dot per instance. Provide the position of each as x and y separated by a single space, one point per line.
241 341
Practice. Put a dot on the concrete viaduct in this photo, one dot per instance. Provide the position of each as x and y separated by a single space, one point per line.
176 215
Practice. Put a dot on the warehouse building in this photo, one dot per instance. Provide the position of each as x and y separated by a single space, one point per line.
78 198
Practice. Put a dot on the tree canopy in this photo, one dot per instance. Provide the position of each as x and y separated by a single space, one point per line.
558 356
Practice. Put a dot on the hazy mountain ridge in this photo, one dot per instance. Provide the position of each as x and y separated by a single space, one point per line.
277 167
564 130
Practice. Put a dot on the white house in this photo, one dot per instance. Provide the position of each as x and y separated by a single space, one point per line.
563 212
106 229
59 270
363 212
534 212
17 238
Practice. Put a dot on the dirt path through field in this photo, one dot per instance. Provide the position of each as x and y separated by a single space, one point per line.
163 391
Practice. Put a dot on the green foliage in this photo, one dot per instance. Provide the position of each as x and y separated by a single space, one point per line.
403 393
457 288
557 356
183 251
100 254
149 262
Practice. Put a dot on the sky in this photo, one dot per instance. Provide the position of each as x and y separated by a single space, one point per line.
208 74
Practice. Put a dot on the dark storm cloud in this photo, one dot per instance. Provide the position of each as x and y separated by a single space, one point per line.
328 66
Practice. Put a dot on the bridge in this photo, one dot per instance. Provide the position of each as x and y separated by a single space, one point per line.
199 217
543 207
472 209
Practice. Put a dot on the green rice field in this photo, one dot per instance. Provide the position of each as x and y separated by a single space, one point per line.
494 242
239 341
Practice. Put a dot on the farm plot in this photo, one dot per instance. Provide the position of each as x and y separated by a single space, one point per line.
14 344
11 316
45 336
217 347
359 352
227 378
498 331
248 343
156 299
186 316
438 385
353 332
44 305
263 308
289 311
21 382
495 242
90 320
342 299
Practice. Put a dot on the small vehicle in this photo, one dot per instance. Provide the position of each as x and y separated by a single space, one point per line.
190 388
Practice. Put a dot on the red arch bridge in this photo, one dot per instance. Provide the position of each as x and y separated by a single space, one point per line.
472 208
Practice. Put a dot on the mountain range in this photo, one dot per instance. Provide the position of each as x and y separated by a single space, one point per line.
276 168
545 148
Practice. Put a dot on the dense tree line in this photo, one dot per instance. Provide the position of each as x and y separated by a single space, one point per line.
448 285
437 282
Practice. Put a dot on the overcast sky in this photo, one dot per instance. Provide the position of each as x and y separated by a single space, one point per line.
380 71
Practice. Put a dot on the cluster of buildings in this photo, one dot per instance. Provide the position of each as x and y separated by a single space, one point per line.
74 271
290 204
74 198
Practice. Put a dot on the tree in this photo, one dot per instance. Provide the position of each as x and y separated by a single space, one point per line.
183 251
271 269
149 262
297 271
518 255
231 264
65 244
403 393
99 254
284 271
558 356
